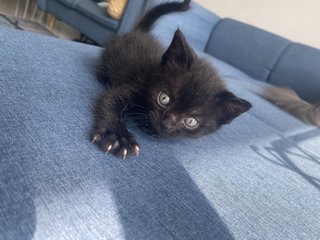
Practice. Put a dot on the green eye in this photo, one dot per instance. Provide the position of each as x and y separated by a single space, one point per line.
191 122
163 99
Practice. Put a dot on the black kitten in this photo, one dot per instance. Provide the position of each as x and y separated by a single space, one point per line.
168 93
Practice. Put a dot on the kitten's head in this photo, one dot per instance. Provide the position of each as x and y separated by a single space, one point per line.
186 96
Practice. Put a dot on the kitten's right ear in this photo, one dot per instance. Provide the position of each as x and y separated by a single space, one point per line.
231 106
179 53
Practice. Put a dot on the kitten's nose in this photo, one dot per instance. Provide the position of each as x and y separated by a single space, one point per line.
169 122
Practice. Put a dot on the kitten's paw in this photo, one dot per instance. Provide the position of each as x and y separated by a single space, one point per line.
120 146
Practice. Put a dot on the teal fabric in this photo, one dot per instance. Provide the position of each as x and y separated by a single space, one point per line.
257 178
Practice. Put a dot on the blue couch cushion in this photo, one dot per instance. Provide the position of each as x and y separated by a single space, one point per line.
299 68
248 181
250 49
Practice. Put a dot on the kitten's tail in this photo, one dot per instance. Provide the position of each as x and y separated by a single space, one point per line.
153 14
290 102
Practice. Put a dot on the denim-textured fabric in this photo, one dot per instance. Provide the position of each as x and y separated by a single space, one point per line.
249 181
298 67
248 48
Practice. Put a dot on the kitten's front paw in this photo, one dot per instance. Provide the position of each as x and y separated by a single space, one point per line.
120 146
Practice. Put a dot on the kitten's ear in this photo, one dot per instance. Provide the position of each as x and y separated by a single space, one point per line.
231 105
179 53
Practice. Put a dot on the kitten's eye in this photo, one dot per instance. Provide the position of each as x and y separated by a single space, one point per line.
191 122
163 99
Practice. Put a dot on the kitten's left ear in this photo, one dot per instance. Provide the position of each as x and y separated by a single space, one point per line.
231 105
179 53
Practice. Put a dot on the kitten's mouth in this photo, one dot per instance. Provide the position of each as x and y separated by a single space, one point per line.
156 128
152 130
149 130
164 131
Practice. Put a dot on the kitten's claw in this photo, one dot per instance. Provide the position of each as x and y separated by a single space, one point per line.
95 138
109 148
119 145
136 150
125 152
116 144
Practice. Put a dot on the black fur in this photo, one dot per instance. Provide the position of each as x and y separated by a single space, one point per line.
148 20
141 76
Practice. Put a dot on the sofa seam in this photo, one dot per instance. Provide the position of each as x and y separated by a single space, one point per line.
213 55
277 62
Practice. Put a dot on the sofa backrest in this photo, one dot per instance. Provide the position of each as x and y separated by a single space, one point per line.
250 49
267 57
299 68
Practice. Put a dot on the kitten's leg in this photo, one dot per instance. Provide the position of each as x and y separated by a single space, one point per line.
111 132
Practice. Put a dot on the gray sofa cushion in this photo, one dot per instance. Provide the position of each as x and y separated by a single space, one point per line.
250 49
